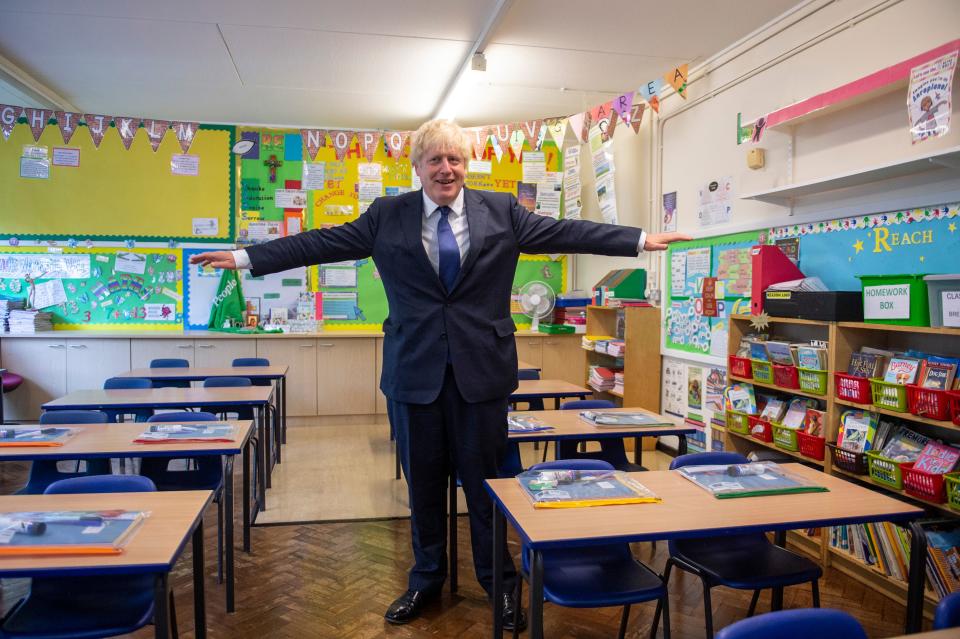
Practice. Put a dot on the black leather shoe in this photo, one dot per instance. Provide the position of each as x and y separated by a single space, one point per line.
408 606
506 613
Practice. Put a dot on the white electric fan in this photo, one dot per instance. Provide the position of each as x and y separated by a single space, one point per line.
536 301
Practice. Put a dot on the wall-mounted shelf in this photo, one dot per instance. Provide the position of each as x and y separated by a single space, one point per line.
933 161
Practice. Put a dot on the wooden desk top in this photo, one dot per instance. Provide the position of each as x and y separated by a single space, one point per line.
116 440
549 388
198 373
162 397
154 548
568 425
524 366
689 511
946 633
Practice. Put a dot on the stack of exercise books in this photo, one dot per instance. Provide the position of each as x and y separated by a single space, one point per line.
618 382
6 306
602 378
67 532
24 436
581 488
23 321
617 419
756 479
526 424
204 433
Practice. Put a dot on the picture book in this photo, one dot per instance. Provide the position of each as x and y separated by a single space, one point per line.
937 458
758 350
904 445
602 419
813 423
859 429
526 424
938 375
885 428
811 357
797 412
67 532
33 436
581 488
741 398
779 352
207 432
747 480
902 370
866 364
774 410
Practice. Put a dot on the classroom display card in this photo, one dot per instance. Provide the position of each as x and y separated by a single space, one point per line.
66 156
581 488
747 480
181 164
70 532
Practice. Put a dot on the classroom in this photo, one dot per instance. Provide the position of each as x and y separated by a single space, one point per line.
479 319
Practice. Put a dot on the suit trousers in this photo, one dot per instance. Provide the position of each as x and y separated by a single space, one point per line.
450 435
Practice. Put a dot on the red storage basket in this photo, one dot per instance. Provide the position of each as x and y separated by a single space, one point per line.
852 389
922 484
954 399
811 446
740 366
931 403
786 376
760 429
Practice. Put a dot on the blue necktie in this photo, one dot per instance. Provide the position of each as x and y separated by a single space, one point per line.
449 266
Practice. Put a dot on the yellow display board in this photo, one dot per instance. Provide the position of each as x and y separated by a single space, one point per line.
115 193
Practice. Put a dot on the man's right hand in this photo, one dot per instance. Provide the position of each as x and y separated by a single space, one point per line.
215 259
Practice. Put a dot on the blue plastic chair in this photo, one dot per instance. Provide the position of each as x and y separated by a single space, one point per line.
743 562
242 412
170 362
254 361
45 472
596 576
122 383
611 450
86 607
528 374
823 623
947 614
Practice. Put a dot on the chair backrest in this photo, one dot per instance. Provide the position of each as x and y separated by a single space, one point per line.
231 382
74 417
587 404
823 623
183 416
127 382
707 459
947 614
101 484
169 362
251 361
528 373
573 464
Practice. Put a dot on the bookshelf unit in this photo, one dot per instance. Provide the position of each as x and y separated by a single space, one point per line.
845 338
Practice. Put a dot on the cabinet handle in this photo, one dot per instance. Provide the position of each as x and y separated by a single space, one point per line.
78 346
306 346
550 343
185 346
325 344
56 346
205 345
534 343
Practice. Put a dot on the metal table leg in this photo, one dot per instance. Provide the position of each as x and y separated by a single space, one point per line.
227 498
246 497
776 597
161 606
199 602
536 596
499 545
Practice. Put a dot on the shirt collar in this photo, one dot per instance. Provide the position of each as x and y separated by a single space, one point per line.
430 207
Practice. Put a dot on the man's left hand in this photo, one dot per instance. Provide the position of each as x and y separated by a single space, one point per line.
659 241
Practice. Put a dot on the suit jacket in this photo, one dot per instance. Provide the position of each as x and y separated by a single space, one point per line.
427 325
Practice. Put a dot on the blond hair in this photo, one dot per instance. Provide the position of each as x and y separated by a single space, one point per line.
442 135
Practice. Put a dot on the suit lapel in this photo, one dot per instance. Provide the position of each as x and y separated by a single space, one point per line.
477 215
411 221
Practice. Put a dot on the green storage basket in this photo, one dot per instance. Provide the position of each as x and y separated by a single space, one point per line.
884 470
919 300
888 395
762 371
785 438
737 422
952 482
813 381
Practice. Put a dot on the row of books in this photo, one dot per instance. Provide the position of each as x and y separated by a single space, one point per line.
798 413
810 355
910 367
862 431
603 344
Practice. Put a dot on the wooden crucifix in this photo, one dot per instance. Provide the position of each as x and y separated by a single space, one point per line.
273 164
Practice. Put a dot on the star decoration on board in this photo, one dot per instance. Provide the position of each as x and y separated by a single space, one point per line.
760 322
952 227
858 246
923 259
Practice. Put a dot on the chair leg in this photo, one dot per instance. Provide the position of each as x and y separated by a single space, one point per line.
666 582
624 619
815 586
753 602
707 610
220 539
516 607
546 447
174 631
666 616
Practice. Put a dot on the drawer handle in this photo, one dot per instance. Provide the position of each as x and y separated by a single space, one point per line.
185 346
78 346
325 344
205 345
306 346
56 346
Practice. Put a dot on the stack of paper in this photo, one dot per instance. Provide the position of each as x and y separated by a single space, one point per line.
601 378
811 284
7 305
30 321
618 382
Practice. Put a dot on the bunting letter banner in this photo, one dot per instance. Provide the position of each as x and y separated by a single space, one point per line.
516 140
480 137
185 131
636 115
533 130
622 106
502 135
578 124
341 142
650 92
37 119
678 80
396 140
97 125
368 142
9 115
313 141
602 117
557 127
127 128
67 122
155 129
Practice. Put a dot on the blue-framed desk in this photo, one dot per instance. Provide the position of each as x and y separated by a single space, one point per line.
556 389
107 441
175 518
256 397
275 373
526 366
686 511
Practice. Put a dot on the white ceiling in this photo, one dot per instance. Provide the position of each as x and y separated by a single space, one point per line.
361 64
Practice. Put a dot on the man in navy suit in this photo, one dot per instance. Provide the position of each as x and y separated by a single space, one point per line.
447 256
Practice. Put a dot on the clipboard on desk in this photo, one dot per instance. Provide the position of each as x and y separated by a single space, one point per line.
70 532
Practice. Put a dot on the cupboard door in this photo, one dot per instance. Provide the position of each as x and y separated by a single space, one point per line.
91 361
43 365
222 352
563 358
142 351
301 356
346 375
529 350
